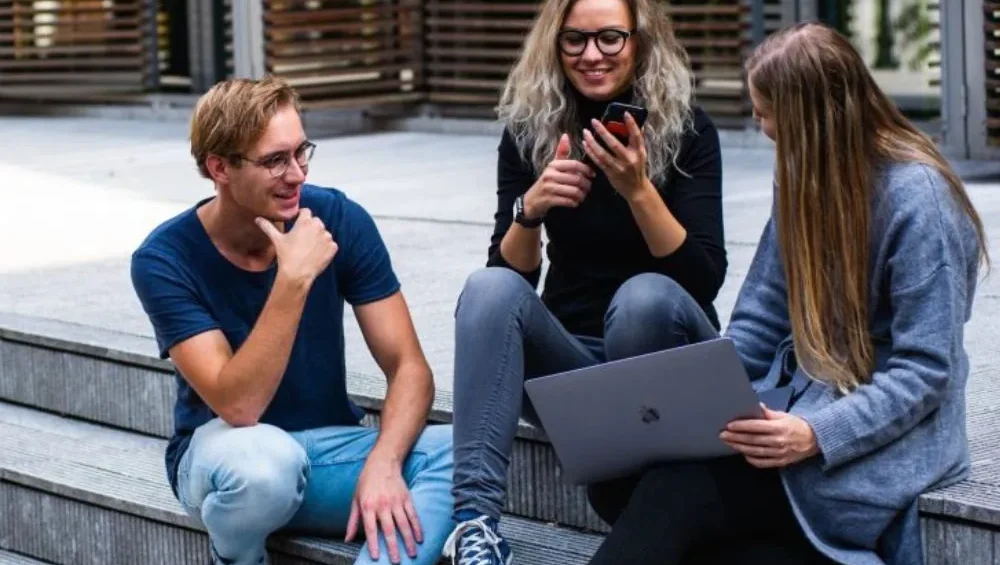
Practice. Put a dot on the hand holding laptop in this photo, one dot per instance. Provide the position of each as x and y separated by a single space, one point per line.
610 420
779 439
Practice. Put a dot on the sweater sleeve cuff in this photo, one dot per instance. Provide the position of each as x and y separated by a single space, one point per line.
690 266
833 436
533 277
682 254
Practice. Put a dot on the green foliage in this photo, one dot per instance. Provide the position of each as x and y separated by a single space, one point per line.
914 27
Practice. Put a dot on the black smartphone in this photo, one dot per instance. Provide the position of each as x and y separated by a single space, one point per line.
614 118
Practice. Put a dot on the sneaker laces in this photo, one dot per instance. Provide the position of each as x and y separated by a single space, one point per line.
477 546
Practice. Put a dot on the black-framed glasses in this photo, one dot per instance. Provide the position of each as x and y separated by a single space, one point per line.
277 163
609 40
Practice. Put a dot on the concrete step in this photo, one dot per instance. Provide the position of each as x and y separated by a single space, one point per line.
117 379
76 493
8 558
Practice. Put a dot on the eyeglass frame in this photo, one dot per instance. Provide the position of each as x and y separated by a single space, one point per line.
305 145
593 35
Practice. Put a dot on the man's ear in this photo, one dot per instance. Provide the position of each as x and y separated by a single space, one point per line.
218 168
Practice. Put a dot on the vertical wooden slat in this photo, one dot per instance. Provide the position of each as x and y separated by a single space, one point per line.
991 18
758 26
151 80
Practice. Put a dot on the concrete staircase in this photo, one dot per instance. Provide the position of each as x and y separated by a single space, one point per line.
84 414
8 558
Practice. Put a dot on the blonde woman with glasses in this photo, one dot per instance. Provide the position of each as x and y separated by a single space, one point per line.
634 228
857 297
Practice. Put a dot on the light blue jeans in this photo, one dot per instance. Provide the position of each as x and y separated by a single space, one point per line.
504 334
245 483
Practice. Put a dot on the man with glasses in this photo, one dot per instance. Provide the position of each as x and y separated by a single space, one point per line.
245 292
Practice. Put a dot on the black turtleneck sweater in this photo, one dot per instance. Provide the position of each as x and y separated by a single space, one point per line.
597 246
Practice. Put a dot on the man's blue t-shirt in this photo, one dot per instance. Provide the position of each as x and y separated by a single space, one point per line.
187 287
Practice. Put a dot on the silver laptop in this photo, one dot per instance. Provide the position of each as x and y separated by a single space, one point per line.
613 419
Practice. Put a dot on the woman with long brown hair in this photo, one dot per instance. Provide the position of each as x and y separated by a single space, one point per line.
857 298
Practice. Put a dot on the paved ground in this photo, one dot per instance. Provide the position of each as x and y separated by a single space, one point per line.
79 194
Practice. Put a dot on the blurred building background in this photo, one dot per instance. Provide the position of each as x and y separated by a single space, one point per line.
940 60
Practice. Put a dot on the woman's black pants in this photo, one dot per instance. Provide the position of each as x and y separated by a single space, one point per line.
720 511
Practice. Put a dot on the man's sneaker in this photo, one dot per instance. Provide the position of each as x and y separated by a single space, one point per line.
476 541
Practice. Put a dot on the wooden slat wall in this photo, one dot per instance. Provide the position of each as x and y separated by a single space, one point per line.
716 36
227 42
345 52
470 45
72 48
469 48
992 22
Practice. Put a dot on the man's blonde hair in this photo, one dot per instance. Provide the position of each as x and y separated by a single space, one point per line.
232 116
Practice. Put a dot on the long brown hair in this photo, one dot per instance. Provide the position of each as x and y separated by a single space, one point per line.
833 123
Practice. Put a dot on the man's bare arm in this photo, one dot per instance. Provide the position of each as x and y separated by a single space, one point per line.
392 339
240 387
382 501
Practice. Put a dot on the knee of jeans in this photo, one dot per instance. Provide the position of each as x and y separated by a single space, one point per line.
491 291
436 442
648 299
263 466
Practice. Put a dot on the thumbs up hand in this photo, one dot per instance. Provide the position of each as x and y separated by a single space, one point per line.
564 182
304 251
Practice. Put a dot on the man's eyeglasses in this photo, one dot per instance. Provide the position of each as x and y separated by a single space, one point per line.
277 163
610 41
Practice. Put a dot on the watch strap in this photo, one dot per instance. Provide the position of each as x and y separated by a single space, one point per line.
521 219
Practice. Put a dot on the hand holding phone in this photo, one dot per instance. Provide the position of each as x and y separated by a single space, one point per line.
607 148
614 119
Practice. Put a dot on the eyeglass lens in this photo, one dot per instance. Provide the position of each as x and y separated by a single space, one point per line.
278 165
608 41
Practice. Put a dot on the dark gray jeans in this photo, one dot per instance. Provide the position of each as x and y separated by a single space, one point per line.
504 334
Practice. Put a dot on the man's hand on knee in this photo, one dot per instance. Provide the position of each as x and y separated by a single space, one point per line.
382 499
